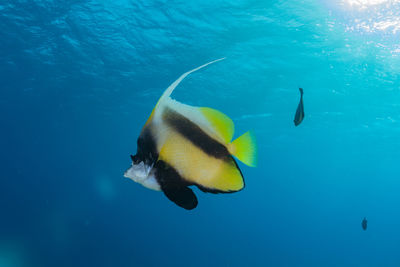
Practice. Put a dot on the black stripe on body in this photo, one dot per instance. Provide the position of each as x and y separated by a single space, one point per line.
146 148
195 134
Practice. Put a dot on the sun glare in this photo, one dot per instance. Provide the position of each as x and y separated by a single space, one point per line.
365 2
373 16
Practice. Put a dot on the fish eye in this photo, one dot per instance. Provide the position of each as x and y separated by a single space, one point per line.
135 159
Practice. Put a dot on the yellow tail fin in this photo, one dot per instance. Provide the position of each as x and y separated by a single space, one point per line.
245 149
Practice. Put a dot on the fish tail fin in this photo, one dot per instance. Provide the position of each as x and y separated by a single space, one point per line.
245 149
167 93
301 91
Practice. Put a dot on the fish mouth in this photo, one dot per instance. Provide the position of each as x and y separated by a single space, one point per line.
138 171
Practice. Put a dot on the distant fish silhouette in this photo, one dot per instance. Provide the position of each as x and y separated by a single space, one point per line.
298 118
364 224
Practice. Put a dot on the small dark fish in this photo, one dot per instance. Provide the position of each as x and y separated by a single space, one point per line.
364 224
298 118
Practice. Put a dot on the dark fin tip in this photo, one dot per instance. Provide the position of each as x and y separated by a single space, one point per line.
301 91
183 197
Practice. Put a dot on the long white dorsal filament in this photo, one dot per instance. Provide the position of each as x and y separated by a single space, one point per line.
171 88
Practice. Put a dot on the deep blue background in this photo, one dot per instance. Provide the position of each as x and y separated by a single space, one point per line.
78 79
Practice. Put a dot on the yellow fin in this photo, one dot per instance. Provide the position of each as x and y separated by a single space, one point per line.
245 149
150 118
221 123
229 179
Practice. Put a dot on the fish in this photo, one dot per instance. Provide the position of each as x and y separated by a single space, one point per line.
298 118
181 146
364 224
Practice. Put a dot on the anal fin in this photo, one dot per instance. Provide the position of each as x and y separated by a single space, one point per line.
174 187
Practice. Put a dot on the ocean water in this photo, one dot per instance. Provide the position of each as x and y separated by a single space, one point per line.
78 79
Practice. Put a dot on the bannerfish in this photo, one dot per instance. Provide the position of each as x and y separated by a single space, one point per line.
364 224
181 145
298 118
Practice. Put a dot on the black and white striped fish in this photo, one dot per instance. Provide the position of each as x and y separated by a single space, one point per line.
181 145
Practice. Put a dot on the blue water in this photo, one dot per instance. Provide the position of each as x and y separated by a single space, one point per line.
78 79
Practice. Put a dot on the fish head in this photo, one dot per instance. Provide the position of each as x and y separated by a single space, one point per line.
139 170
